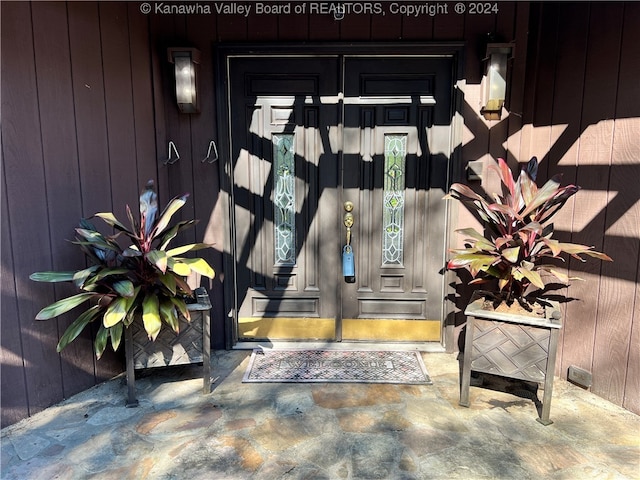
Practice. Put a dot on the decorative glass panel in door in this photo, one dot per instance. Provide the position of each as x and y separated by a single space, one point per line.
285 179
304 145
395 151
284 199
397 124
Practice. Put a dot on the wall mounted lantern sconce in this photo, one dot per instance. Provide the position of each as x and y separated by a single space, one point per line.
497 58
185 61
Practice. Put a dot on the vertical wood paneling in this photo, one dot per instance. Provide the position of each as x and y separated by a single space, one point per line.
628 110
90 109
519 72
292 26
120 127
535 30
632 386
355 27
27 204
142 88
545 73
206 183
449 27
387 27
55 99
231 28
622 222
13 389
91 134
581 314
506 21
594 159
563 156
504 30
628 105
161 29
618 280
116 61
260 28
539 132
417 28
323 27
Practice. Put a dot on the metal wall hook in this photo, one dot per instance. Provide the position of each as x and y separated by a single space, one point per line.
209 158
171 160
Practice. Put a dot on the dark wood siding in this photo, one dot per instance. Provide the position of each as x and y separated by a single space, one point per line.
585 122
70 148
88 112
28 222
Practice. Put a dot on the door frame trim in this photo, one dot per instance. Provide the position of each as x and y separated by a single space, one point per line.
452 50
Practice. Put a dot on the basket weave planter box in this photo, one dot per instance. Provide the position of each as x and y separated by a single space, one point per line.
191 345
513 346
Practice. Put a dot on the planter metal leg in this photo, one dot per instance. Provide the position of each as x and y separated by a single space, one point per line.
132 401
206 352
466 364
548 378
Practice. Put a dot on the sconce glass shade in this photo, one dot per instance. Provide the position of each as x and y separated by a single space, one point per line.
496 80
185 61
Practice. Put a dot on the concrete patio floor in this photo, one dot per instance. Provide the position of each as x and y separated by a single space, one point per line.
320 431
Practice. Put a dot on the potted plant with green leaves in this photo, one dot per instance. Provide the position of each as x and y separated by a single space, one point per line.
134 275
516 250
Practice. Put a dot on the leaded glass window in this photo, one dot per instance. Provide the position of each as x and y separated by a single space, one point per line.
395 154
284 199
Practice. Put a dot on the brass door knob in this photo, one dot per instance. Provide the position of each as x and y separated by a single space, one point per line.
348 220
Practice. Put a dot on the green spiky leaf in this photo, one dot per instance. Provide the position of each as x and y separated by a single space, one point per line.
179 267
115 333
124 288
101 341
171 233
63 306
169 281
174 205
511 254
81 276
158 258
115 313
111 220
76 327
174 252
151 316
199 265
52 276
170 315
182 307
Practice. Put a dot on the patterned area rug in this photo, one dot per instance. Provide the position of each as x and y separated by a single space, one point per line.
302 366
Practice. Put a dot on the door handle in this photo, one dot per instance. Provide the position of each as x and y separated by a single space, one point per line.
348 220
348 264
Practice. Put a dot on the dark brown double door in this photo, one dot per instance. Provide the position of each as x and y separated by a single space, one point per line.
312 137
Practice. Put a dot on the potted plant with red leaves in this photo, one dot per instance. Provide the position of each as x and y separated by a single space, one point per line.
517 251
517 242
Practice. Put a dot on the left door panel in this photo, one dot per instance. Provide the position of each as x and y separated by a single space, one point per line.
284 138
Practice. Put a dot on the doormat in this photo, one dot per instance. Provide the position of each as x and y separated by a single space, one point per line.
334 366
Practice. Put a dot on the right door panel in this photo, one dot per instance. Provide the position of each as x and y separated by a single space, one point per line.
396 149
